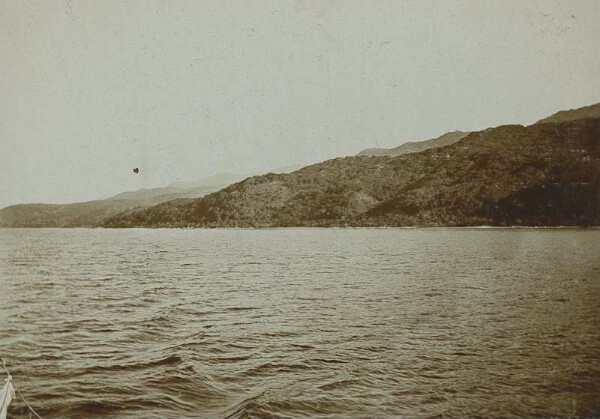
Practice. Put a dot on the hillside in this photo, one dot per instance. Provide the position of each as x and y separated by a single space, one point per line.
592 111
544 174
80 214
93 213
416 146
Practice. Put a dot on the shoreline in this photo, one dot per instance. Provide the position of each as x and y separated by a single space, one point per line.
482 228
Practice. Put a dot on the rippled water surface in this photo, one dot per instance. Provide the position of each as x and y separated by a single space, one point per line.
302 322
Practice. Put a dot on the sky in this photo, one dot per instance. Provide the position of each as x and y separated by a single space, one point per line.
90 90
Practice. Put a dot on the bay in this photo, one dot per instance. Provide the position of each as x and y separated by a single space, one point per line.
302 322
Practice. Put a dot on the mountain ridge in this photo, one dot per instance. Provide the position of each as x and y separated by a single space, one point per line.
416 146
541 175
92 213
590 111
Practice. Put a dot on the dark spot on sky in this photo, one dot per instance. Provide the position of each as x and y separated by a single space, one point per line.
136 170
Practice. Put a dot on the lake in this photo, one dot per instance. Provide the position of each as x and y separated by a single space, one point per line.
145 323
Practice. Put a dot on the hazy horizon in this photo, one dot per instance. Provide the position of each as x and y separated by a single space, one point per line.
185 90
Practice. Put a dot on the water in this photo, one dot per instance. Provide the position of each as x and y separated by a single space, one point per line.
302 322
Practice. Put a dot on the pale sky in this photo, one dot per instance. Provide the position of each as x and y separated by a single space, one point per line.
186 89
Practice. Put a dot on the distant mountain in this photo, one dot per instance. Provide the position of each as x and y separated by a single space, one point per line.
220 179
288 169
416 146
542 175
80 214
154 196
592 111
92 213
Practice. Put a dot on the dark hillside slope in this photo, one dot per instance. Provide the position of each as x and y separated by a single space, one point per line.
544 174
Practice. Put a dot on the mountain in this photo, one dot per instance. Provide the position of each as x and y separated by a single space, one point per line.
154 196
545 174
287 169
592 111
220 179
92 213
80 214
416 146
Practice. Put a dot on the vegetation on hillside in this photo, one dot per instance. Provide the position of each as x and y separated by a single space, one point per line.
544 174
